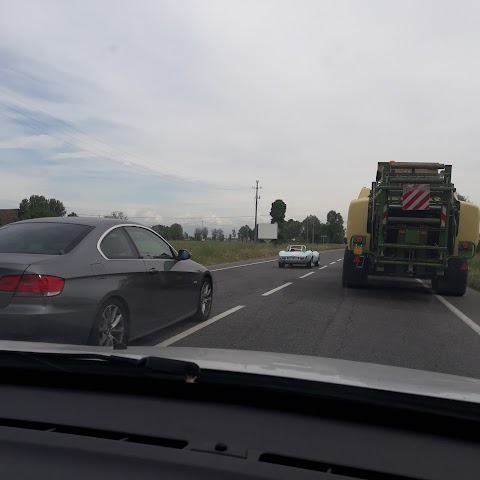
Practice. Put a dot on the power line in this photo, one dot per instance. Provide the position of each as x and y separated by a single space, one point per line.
177 176
122 162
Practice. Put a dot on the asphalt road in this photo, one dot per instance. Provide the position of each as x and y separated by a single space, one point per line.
394 321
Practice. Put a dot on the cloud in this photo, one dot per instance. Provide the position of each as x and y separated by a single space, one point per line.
306 96
30 142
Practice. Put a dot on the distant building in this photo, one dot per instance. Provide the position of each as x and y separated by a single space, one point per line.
8 215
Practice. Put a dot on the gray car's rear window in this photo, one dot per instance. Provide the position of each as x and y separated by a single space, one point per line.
42 238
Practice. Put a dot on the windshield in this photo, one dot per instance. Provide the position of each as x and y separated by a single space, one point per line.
42 238
285 177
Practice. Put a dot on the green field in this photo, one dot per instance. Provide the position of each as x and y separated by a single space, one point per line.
214 253
474 273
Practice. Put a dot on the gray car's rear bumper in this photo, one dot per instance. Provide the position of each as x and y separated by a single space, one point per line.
46 322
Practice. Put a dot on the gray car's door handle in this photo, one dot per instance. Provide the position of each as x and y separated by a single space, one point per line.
153 271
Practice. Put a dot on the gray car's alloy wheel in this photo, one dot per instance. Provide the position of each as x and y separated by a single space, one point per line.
205 301
111 325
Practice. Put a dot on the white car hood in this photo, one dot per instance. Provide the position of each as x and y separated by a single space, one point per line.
316 369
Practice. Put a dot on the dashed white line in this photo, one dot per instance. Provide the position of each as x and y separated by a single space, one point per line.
188 332
325 266
263 261
276 289
307 275
468 321
333 263
244 265
340 259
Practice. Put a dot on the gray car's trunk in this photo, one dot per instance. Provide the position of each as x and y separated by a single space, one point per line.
15 264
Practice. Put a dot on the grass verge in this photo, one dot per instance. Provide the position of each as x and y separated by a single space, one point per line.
474 273
214 253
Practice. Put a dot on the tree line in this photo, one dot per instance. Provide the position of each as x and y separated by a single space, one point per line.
38 206
308 230
311 229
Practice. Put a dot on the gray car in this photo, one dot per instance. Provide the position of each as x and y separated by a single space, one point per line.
94 281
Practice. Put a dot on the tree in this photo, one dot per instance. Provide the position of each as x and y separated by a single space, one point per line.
277 212
292 229
176 232
214 234
234 234
117 215
312 229
185 235
335 229
197 234
221 235
244 233
37 206
72 214
204 233
230 238
251 235
162 230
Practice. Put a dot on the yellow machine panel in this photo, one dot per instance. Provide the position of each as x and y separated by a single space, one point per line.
358 218
469 224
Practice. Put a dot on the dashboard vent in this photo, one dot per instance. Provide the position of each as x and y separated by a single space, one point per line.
96 433
334 470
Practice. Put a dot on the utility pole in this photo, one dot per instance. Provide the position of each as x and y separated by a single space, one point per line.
306 236
257 198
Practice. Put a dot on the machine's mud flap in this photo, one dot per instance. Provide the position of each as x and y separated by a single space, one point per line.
355 270
454 282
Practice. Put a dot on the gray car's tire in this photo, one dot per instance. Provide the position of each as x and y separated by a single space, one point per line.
204 301
317 263
309 264
111 325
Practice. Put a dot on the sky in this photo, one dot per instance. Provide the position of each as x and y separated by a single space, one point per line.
171 110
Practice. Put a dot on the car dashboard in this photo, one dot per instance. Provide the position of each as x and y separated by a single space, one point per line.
65 427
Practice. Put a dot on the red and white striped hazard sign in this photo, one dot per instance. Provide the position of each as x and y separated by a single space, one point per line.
443 217
416 197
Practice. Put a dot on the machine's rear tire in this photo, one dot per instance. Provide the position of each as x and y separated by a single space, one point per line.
309 264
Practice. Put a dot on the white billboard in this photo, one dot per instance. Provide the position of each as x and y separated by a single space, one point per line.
267 231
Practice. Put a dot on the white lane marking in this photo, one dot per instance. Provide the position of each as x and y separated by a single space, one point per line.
340 259
333 263
276 289
325 266
244 265
188 332
468 321
307 275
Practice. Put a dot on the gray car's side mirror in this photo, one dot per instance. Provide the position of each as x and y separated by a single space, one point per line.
184 255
